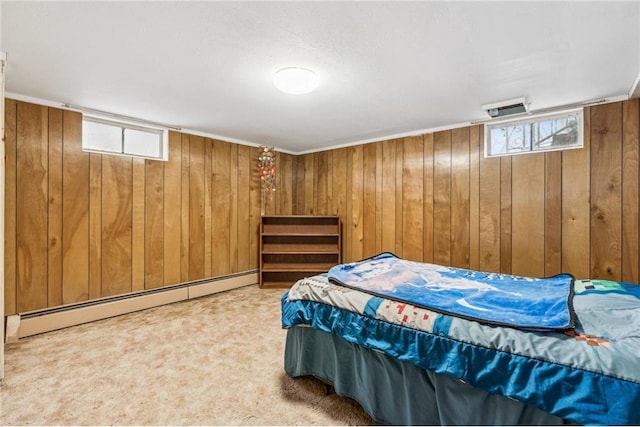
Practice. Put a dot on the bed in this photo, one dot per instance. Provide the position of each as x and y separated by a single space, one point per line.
414 364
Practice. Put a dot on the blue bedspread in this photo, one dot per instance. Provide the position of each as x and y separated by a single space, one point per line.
498 299
589 375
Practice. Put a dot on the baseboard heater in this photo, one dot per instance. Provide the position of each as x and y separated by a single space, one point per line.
39 321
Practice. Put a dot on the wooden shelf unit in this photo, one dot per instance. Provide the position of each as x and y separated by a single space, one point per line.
296 246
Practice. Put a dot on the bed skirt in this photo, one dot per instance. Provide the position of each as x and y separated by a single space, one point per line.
400 393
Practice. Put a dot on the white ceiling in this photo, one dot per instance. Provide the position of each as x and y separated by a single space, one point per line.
386 68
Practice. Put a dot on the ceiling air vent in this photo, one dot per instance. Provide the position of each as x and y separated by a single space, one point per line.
506 108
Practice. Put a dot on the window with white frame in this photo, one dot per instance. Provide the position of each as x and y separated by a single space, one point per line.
111 137
535 133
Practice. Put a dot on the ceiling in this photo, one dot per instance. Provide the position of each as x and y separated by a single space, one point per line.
386 68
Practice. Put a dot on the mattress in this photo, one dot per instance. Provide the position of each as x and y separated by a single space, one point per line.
588 375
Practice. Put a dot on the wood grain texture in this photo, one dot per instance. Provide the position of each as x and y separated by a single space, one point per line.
442 198
138 232
576 216
208 174
412 199
233 209
606 191
117 173
172 211
75 211
357 202
184 210
506 215
372 188
475 153
528 216
220 202
196 207
630 191
153 223
489 217
54 214
244 206
10 207
320 163
95 225
398 198
552 213
427 198
32 192
369 200
254 208
460 220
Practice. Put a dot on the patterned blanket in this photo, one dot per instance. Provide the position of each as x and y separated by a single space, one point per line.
495 299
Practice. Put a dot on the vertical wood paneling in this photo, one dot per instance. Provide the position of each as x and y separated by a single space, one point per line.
369 200
398 189
606 191
412 199
208 160
320 163
630 189
117 174
196 207
378 197
153 223
553 213
528 215
254 215
32 192
299 185
339 181
475 152
428 198
309 184
575 207
460 221
284 171
423 197
388 196
185 216
75 211
10 207
54 215
95 225
357 201
442 198
244 228
139 232
233 209
489 214
172 211
220 202
506 249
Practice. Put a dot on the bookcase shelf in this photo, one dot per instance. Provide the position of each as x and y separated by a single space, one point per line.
296 246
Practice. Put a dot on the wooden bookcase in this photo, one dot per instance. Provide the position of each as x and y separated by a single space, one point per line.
296 246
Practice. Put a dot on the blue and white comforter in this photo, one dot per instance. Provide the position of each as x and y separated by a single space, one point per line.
589 375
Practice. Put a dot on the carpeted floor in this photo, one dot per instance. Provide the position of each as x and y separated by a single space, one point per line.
216 360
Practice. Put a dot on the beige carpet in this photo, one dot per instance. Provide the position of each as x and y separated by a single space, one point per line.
216 360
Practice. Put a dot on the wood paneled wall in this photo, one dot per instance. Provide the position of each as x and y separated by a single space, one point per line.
435 198
81 226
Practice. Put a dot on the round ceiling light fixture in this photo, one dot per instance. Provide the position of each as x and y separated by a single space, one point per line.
295 80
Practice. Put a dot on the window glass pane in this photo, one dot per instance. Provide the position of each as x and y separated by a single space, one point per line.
101 136
142 143
543 133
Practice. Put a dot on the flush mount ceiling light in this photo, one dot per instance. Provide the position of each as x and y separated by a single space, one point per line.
296 81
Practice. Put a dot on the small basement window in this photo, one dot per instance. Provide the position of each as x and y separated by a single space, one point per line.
535 133
111 137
